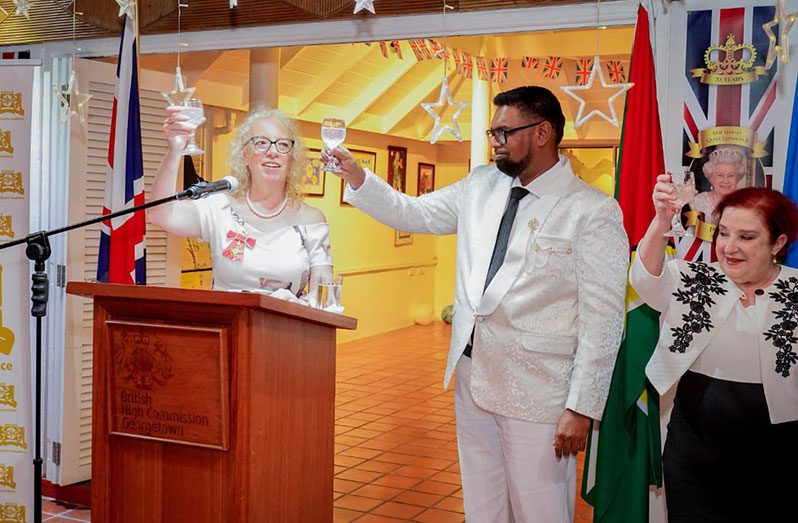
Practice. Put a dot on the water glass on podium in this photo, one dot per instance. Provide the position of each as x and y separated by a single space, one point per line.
328 293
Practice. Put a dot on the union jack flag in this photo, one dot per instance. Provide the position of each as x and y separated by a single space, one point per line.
749 105
584 66
552 67
457 59
615 71
482 67
530 62
498 70
440 52
122 247
396 47
420 50
466 66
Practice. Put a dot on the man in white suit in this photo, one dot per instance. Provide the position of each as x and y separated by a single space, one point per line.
538 310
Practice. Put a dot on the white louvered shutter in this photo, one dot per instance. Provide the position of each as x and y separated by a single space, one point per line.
88 158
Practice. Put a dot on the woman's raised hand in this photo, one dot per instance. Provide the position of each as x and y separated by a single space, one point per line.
351 171
664 197
177 128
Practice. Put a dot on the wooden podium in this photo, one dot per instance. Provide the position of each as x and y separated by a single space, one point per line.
210 407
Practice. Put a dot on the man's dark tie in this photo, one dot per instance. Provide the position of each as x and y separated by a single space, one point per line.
500 249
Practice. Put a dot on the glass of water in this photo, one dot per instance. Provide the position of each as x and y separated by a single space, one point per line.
333 134
328 293
192 108
684 185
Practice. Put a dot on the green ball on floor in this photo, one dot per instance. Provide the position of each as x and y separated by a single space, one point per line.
447 313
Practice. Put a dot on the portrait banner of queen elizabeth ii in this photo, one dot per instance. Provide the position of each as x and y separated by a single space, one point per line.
729 115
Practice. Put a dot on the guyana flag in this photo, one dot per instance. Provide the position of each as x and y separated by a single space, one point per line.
623 455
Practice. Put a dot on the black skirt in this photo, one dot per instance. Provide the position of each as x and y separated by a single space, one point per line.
723 457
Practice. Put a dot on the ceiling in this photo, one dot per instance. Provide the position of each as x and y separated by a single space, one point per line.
52 19
382 95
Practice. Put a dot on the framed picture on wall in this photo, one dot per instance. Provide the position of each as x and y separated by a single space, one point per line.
367 160
397 168
313 182
426 178
402 238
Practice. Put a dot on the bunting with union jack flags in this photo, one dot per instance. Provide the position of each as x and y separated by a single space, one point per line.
584 66
498 70
420 49
728 103
552 67
122 254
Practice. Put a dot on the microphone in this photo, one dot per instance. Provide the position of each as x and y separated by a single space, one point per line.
203 188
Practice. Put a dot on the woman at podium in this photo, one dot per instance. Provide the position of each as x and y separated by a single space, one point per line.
262 236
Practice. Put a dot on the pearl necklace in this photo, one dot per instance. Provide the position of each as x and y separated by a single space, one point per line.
266 216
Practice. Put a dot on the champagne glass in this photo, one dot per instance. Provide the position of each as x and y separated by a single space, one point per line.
684 190
192 108
333 133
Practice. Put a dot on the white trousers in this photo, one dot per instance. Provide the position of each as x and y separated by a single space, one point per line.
508 468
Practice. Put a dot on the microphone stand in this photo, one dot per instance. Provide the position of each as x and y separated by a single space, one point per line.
38 251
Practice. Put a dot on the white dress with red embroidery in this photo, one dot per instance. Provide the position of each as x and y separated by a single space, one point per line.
245 258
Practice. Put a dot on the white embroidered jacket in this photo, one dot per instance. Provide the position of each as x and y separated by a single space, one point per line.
695 299
549 325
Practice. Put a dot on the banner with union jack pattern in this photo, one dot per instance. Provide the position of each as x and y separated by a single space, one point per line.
728 102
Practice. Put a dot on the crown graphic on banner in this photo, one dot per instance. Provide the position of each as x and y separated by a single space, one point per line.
11 103
6 227
13 435
7 395
725 68
7 477
11 182
12 513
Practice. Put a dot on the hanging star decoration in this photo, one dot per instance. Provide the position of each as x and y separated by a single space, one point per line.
22 7
127 7
73 103
445 101
779 48
179 93
596 95
368 5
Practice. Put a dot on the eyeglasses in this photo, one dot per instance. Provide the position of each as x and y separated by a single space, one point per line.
263 144
500 135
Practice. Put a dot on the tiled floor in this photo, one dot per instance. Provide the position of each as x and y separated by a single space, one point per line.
58 512
395 447
396 452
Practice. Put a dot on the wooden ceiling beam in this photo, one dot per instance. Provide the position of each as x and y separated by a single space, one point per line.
328 74
377 88
410 101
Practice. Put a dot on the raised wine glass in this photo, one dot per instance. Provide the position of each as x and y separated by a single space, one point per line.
333 134
684 185
192 108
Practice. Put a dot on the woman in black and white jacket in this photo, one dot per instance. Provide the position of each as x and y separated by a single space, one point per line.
728 337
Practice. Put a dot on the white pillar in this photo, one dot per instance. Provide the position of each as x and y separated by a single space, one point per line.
264 76
480 121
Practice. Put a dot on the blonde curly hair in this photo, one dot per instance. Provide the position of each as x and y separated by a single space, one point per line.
238 167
